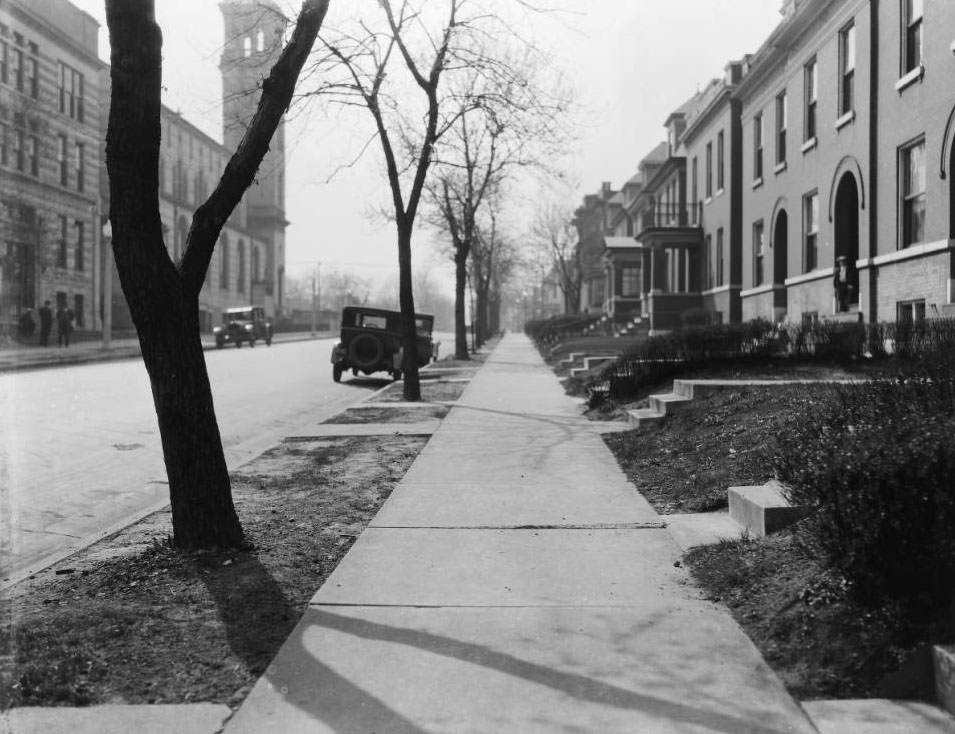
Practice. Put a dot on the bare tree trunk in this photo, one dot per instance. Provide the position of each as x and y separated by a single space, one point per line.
166 319
409 336
460 296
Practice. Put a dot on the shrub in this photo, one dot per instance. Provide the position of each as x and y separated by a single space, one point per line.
876 464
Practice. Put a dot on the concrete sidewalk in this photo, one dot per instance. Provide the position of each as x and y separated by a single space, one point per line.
516 582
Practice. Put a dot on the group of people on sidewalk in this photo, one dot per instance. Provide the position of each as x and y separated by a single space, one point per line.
64 317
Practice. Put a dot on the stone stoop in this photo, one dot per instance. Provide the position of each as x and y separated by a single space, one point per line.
665 402
589 363
763 509
572 359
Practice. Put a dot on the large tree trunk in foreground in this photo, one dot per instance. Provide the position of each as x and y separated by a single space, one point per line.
163 296
460 296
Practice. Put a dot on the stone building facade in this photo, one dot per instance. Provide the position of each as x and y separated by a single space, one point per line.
50 117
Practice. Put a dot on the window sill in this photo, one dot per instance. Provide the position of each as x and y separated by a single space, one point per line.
810 276
910 78
707 200
758 182
719 192
808 145
780 167
845 119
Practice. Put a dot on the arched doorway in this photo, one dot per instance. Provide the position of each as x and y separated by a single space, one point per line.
846 213
780 245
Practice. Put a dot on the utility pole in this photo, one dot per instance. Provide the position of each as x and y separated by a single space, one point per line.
316 295
107 278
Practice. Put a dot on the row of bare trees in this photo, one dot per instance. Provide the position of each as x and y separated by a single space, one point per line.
455 100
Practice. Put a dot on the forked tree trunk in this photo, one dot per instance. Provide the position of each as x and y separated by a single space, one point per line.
162 295
460 296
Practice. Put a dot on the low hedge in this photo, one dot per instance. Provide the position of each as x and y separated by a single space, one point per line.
876 465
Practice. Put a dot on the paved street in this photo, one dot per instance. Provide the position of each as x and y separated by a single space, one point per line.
80 449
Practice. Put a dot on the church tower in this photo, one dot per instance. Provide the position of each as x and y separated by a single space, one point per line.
254 37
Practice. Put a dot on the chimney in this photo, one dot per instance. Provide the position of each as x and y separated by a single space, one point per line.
605 190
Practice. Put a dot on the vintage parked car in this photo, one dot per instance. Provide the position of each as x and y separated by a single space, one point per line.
371 342
245 324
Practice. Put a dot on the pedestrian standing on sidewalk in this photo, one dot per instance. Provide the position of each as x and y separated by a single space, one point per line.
46 323
64 325
27 325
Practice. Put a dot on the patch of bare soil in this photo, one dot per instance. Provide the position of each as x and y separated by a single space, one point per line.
129 620
800 616
423 412
431 390
687 462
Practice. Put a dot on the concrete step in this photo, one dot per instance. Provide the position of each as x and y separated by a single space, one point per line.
763 509
666 402
643 416
598 360
878 716
944 663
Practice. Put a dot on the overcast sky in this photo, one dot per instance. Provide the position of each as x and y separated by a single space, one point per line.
630 62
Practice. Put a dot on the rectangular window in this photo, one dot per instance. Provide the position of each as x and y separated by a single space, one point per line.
78 309
4 62
71 92
910 312
810 74
19 153
782 122
912 28
811 230
912 168
33 81
719 161
708 261
16 69
719 257
758 147
694 189
80 156
758 252
62 244
33 154
709 170
79 261
630 281
4 151
61 159
847 69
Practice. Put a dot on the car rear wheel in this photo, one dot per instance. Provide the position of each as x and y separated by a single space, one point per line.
337 372
252 342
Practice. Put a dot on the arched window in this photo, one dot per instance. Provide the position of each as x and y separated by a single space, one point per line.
256 266
224 262
247 46
260 40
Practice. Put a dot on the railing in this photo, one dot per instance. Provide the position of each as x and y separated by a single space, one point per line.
673 215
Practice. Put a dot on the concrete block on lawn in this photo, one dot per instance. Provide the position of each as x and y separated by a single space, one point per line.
944 662
763 509
644 417
666 402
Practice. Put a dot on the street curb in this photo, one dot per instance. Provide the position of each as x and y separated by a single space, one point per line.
120 353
